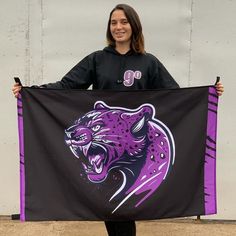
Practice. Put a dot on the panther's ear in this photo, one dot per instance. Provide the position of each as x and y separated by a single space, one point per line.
100 105
147 109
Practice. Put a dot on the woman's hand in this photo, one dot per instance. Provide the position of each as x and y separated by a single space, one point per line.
219 88
16 89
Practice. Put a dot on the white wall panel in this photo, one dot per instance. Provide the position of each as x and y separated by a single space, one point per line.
41 40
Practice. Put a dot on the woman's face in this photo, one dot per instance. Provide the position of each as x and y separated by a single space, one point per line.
120 28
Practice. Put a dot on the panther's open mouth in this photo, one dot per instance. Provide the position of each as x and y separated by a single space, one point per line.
96 164
93 158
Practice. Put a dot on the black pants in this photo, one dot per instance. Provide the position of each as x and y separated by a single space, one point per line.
121 228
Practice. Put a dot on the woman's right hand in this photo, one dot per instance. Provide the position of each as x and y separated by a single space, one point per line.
16 89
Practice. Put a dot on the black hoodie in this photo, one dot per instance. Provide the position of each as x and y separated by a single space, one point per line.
108 69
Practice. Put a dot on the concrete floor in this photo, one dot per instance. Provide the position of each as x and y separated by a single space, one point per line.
144 228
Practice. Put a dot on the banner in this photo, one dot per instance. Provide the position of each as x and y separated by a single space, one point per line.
124 155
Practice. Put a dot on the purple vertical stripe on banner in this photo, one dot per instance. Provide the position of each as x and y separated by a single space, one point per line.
22 161
210 155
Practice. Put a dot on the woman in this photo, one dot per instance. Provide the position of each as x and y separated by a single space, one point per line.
123 65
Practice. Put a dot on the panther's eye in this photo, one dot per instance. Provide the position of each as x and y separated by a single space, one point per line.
96 128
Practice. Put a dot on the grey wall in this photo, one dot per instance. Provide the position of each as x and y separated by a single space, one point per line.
40 40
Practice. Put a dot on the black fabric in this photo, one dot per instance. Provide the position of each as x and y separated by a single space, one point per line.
57 187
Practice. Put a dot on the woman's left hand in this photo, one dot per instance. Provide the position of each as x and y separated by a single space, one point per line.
219 88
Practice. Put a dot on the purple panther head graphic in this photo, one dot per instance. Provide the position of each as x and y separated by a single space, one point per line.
108 138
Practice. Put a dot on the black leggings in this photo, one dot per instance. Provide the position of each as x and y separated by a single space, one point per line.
120 228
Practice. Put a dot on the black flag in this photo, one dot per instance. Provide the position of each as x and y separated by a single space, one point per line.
106 155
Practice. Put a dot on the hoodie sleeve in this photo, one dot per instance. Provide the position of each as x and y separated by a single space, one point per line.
161 78
81 76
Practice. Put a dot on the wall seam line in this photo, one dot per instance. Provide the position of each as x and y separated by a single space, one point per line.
190 45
